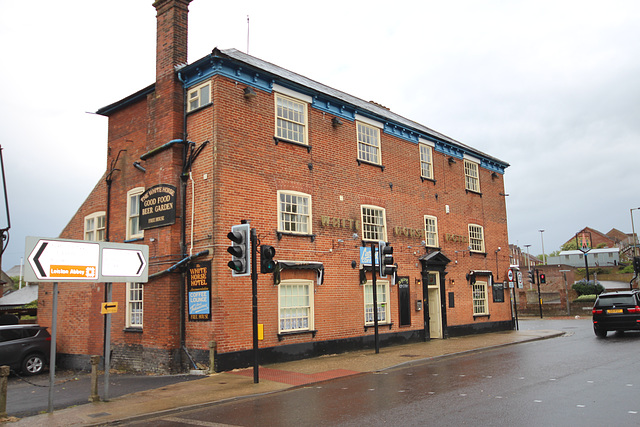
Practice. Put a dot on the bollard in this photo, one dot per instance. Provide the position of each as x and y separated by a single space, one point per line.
95 397
212 357
4 378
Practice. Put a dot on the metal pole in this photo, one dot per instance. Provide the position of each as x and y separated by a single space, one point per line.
586 266
544 257
375 295
539 297
107 346
633 230
52 356
254 291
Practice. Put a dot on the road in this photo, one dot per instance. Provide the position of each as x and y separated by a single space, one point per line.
576 379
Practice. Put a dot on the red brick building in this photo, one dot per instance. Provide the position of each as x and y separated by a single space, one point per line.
320 175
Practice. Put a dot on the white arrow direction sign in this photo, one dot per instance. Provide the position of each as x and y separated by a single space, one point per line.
65 260
57 260
122 262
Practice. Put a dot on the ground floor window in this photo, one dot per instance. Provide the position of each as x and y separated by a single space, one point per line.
295 305
480 302
382 295
134 305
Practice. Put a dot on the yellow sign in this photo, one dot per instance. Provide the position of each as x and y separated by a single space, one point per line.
109 307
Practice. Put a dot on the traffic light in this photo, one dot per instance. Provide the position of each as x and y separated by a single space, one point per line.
542 278
636 264
240 250
385 255
532 276
267 264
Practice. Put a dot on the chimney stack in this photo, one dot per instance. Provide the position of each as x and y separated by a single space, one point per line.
171 50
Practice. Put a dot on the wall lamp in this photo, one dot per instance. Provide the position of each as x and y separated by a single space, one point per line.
249 93
451 160
336 122
138 166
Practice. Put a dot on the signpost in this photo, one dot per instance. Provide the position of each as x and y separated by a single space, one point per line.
63 260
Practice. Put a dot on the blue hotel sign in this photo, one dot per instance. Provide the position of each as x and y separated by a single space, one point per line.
365 255
199 291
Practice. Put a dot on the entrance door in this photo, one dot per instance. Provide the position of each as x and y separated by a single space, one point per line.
435 316
433 310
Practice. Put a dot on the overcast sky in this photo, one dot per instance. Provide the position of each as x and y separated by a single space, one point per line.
551 87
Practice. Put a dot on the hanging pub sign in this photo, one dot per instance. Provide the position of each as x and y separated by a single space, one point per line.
158 206
199 291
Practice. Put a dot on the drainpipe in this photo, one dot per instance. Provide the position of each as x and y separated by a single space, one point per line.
183 231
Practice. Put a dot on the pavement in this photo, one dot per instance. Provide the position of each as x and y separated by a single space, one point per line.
225 386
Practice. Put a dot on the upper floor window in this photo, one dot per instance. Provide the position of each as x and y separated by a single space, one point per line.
373 223
431 231
295 305
368 143
291 119
133 213
426 161
94 227
198 96
476 238
471 176
294 212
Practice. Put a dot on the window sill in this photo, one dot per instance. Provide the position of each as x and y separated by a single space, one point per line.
473 192
282 335
278 140
361 162
428 179
132 329
134 239
484 254
279 234
366 327
479 316
202 107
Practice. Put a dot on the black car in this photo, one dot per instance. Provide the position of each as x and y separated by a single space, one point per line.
616 311
25 348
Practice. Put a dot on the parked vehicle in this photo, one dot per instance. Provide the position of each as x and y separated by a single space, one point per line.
25 348
616 311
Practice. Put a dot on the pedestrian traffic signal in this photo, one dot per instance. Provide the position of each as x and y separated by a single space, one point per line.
267 264
542 278
385 255
532 276
240 250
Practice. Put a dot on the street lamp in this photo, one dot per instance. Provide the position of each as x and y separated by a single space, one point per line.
633 231
544 257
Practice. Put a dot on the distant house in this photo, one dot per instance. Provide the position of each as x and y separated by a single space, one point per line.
595 258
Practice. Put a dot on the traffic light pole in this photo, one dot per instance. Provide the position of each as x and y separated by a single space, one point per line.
539 297
254 291
375 294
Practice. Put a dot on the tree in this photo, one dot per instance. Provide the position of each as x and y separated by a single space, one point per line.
570 246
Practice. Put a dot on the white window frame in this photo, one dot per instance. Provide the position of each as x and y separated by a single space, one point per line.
288 218
93 228
383 300
368 137
133 213
292 127
199 95
471 176
480 298
379 227
431 231
426 161
295 311
476 238
135 305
